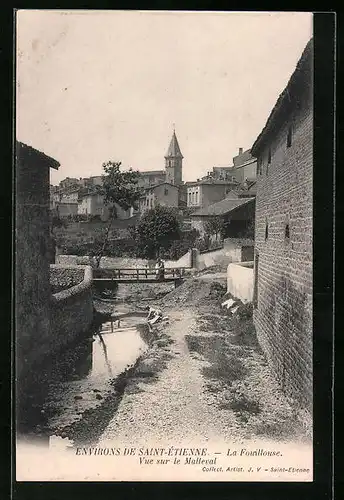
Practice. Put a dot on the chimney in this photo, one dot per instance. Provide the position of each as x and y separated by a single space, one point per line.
240 151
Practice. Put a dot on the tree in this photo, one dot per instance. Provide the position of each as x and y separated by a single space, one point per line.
215 226
118 188
157 229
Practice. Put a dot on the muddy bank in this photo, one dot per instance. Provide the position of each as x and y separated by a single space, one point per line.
134 293
93 421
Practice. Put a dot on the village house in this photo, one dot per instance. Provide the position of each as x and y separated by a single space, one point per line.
70 196
205 192
164 194
151 178
237 215
283 234
66 208
244 168
92 203
32 259
68 183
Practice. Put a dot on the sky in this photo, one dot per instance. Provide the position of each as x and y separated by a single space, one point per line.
94 86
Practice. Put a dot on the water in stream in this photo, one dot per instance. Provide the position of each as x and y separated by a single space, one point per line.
79 378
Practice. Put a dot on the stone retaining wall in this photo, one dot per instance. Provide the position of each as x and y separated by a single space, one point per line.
63 277
71 308
234 250
123 262
240 281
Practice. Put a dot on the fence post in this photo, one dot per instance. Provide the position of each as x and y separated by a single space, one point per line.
138 274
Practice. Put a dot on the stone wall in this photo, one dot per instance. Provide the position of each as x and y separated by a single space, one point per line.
234 249
240 280
124 262
31 286
71 308
283 260
64 277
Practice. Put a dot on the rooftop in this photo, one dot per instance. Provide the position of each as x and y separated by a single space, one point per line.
32 152
212 181
248 162
148 188
153 172
288 95
222 207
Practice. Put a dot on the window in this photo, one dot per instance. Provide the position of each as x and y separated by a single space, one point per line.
266 230
287 232
166 192
289 136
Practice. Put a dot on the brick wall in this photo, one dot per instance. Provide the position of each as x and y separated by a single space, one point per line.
283 314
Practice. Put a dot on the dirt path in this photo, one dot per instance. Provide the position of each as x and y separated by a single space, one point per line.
206 379
175 406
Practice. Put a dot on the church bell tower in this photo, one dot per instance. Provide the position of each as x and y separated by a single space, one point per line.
174 162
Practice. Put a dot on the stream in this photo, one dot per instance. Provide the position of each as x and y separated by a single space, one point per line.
80 378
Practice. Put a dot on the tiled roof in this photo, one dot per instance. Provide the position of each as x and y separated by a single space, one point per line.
30 151
215 182
153 186
222 207
153 172
247 162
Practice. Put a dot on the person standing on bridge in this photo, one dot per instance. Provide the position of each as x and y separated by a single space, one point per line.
160 269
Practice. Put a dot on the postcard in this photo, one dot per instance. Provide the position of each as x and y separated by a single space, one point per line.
164 221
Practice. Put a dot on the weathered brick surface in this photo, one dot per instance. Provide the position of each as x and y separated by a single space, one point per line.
283 314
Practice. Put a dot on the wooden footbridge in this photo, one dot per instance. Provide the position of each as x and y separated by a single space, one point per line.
110 278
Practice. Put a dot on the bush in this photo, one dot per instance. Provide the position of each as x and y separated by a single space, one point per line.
156 231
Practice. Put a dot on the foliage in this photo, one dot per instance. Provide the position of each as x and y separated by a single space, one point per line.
179 247
84 218
214 226
118 188
122 247
202 243
157 229
205 243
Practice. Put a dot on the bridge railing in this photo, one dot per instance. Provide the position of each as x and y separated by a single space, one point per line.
136 273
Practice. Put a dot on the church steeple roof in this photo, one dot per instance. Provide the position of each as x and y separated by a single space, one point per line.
174 149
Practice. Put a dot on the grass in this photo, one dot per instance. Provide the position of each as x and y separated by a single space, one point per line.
223 367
